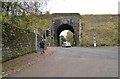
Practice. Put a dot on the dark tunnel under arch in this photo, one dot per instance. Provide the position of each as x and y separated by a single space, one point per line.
62 28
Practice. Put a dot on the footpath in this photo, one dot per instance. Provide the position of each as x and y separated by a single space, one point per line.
13 66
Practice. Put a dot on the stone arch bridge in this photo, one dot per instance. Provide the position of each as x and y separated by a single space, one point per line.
65 21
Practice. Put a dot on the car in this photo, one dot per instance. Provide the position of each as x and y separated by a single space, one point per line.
66 44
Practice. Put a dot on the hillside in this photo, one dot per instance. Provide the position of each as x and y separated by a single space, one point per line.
104 27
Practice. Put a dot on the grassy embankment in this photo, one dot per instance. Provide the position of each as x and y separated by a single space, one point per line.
105 27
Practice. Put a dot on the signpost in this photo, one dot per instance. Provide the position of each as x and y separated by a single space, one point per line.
36 32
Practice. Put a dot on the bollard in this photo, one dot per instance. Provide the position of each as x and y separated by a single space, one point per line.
94 43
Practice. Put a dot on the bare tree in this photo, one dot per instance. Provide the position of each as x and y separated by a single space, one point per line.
33 7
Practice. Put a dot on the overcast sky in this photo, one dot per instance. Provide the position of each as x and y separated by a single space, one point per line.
83 7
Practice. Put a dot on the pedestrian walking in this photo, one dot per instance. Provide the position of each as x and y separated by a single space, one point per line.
42 46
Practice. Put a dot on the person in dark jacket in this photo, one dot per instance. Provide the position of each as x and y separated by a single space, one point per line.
42 46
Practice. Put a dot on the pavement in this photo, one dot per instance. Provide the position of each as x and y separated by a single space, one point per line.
16 65
76 62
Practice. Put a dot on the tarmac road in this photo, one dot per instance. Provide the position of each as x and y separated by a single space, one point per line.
76 62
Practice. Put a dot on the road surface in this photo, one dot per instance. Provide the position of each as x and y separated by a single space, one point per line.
76 62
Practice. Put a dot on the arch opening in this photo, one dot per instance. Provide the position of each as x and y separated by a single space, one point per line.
62 28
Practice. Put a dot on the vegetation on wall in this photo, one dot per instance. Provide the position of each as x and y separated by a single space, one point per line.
18 37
